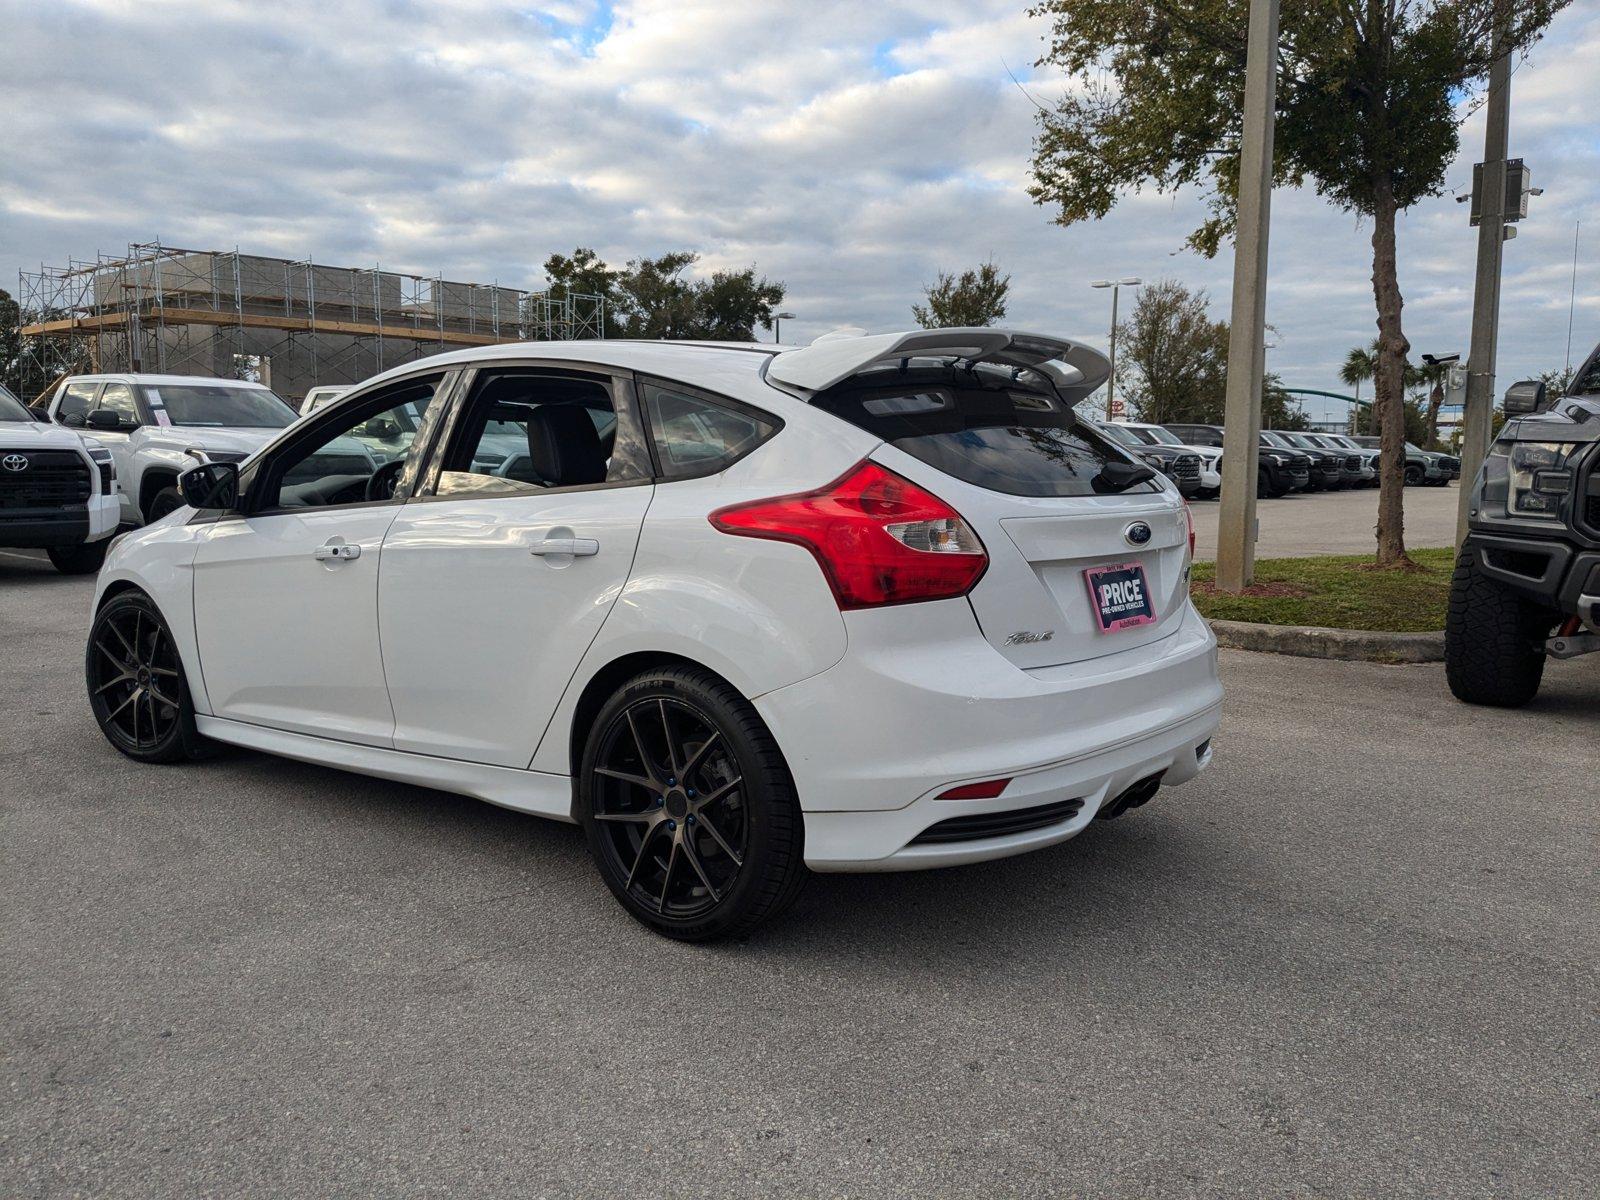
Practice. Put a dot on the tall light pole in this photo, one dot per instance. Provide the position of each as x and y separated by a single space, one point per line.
1247 352
777 325
1116 286
1478 415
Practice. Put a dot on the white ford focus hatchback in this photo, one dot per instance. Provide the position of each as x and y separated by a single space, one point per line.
877 604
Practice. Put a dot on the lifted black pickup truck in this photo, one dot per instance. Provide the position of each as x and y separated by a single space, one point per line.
1527 582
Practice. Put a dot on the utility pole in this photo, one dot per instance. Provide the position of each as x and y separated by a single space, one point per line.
1116 286
1478 417
1247 353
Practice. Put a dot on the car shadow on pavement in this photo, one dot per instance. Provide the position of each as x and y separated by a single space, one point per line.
1098 886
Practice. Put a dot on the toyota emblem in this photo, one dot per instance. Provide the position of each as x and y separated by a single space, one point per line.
1137 534
14 462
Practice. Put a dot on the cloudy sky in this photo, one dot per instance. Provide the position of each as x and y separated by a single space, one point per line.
849 149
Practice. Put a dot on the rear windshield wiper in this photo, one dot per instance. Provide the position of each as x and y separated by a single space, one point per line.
1120 476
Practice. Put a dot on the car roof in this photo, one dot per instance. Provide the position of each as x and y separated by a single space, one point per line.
730 368
172 380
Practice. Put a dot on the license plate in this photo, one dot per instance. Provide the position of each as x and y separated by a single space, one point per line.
1119 596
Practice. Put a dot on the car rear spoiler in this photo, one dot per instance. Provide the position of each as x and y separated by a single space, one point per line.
1076 370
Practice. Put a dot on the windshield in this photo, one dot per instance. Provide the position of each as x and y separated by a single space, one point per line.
11 408
1154 435
219 405
1268 438
1414 449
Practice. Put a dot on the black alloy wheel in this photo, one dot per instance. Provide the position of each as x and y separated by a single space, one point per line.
136 684
689 808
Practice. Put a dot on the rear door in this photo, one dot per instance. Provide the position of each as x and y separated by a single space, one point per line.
499 575
1027 474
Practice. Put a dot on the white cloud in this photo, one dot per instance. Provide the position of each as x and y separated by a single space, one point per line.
851 150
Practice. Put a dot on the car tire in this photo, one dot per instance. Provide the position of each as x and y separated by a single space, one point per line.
1494 651
689 809
86 558
1264 486
1414 476
137 689
167 500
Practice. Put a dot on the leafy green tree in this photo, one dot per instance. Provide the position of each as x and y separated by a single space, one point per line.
1172 358
585 274
10 342
657 298
1279 410
975 297
1366 114
731 304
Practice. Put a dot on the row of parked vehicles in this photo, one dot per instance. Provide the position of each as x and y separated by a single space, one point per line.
1288 460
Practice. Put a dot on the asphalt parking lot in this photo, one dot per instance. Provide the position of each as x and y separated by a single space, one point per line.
1358 956
1333 522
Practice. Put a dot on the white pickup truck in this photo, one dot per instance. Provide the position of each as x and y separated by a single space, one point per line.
158 426
58 490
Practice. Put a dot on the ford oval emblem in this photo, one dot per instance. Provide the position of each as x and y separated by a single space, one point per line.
1138 534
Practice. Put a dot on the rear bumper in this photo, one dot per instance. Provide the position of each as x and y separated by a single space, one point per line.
873 741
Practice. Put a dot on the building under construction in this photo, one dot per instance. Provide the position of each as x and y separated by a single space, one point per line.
291 324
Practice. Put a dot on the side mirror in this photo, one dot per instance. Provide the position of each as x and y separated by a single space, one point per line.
1525 397
104 418
40 414
382 428
211 485
72 420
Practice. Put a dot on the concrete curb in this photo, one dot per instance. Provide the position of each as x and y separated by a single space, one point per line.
1309 641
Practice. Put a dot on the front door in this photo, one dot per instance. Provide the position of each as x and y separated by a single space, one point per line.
286 594
497 579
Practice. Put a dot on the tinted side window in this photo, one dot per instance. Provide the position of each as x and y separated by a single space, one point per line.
522 432
696 436
75 401
342 465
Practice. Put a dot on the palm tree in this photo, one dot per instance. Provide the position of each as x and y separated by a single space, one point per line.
1359 365
1431 376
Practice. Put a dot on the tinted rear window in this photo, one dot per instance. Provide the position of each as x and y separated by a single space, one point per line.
1006 438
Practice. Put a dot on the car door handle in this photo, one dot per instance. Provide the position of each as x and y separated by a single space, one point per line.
575 546
342 552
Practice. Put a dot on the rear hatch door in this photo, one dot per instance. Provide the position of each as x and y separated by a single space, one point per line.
1004 447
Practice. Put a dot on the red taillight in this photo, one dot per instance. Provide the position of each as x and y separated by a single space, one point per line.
1188 515
879 538
987 790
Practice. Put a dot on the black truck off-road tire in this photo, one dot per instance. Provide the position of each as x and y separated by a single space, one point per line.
1493 641
168 499
83 559
689 807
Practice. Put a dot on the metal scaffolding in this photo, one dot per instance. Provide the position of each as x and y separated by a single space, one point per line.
292 323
